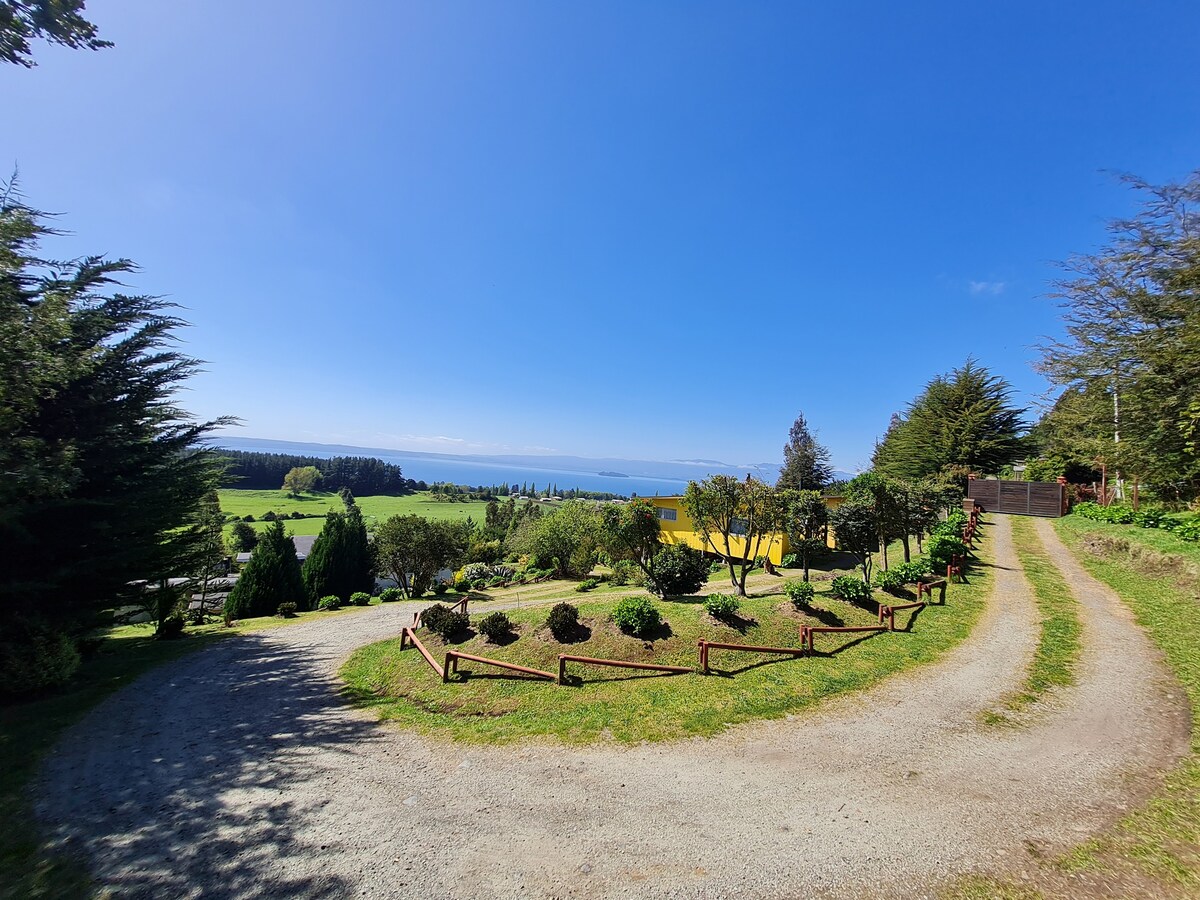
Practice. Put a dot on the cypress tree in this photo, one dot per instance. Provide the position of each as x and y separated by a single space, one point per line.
271 577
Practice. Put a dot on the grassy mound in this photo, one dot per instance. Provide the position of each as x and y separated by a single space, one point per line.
486 705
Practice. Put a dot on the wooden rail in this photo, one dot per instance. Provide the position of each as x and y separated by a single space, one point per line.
706 646
807 631
459 605
564 658
453 656
889 613
926 587
406 634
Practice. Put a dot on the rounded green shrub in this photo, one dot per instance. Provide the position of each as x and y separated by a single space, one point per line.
637 616
441 620
799 592
722 606
890 580
588 584
360 598
286 611
679 570
391 595
623 571
329 602
495 627
439 588
563 622
850 589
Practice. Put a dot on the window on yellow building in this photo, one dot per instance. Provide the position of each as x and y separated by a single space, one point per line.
667 515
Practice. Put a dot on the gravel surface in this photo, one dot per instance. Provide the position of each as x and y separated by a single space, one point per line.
238 771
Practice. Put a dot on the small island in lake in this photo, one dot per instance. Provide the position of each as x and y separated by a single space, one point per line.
614 474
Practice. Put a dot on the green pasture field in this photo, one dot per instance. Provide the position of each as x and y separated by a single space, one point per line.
375 509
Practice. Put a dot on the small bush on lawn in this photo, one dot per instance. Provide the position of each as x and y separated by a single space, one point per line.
329 602
495 581
850 589
941 547
637 616
286 611
439 588
588 584
563 621
889 580
462 584
495 627
790 561
912 572
442 621
799 592
360 598
722 606
390 595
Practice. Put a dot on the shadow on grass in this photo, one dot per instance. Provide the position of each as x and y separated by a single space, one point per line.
865 636
825 617
912 618
729 673
634 675
740 624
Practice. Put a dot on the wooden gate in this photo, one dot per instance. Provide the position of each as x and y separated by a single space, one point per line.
1021 498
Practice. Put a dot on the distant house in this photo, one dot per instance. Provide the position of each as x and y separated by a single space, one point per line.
304 544
676 527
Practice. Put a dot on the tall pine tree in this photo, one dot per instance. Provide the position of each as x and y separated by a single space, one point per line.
806 464
271 577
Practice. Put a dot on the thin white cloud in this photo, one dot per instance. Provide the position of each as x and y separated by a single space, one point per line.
986 287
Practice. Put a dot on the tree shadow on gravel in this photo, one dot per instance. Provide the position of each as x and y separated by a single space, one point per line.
160 824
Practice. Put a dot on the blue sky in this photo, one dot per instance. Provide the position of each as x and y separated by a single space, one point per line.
652 230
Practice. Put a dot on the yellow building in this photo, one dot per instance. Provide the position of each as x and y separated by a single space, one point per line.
675 527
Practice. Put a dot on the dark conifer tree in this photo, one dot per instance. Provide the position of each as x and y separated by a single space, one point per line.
271 577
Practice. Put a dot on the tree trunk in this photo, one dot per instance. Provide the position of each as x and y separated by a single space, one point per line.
907 552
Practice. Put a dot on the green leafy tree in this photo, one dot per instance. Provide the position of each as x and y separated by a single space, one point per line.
412 550
888 503
242 538
805 518
568 538
857 532
806 464
631 531
737 520
964 421
90 433
57 21
301 480
271 577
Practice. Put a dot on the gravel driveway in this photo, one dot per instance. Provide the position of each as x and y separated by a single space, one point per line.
237 771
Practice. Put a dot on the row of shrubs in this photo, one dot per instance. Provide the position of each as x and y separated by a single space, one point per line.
1147 517
271 516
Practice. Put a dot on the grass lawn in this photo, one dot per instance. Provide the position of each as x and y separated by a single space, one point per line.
628 707
27 730
256 503
1162 839
1057 653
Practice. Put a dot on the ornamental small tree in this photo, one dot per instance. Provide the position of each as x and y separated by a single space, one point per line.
805 517
679 570
857 532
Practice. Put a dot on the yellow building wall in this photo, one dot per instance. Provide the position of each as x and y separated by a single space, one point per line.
682 531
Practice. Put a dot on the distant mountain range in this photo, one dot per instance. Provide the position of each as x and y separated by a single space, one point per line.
675 470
